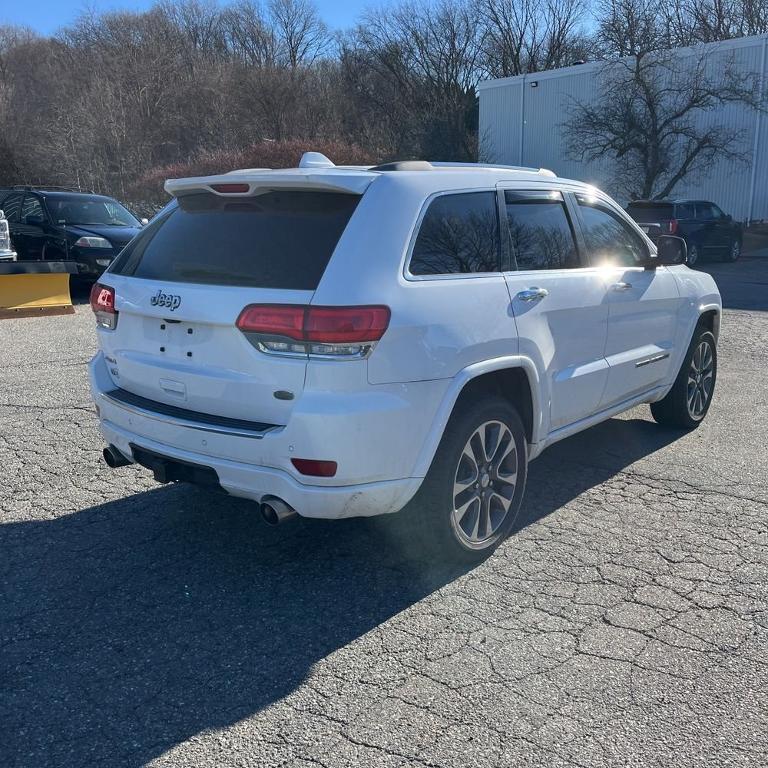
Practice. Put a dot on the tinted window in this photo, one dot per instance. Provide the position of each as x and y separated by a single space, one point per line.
273 240
96 210
684 211
539 231
458 234
12 206
708 211
31 210
650 212
608 238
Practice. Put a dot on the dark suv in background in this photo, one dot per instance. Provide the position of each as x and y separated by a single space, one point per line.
708 232
54 224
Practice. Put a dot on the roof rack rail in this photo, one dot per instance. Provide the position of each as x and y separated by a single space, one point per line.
496 166
48 188
404 165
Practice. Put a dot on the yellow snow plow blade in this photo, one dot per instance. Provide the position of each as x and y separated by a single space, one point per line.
35 288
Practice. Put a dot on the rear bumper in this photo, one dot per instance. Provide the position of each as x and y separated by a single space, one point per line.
251 482
375 437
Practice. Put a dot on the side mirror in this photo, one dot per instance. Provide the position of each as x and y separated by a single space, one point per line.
670 250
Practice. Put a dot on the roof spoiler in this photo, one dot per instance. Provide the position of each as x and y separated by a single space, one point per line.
248 183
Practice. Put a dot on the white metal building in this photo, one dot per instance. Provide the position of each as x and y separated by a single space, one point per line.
521 117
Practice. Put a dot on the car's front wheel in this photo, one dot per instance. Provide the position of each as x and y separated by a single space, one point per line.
471 495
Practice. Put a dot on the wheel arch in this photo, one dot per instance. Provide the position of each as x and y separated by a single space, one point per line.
709 317
514 378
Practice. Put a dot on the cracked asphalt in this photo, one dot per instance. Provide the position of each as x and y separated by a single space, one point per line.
624 624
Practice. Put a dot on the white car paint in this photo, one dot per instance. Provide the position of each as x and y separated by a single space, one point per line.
381 417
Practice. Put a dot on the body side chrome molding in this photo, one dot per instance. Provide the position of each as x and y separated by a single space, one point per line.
654 359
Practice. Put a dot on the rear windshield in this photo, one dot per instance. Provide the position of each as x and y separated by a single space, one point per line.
273 240
650 211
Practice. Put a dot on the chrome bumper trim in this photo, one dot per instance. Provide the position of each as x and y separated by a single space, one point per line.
188 423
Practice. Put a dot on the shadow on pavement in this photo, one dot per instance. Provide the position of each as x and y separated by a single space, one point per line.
130 626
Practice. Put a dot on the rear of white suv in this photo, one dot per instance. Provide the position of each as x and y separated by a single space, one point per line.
337 342
218 364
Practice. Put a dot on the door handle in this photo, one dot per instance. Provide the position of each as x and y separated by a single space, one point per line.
621 286
533 294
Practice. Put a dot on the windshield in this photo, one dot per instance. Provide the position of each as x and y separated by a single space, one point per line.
104 212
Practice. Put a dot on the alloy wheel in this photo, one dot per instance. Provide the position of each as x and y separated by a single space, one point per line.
484 484
700 380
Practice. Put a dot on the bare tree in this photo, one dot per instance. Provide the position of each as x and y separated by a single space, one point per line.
704 21
648 120
432 55
531 35
302 35
631 27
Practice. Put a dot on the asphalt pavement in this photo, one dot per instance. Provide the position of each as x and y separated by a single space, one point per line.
624 624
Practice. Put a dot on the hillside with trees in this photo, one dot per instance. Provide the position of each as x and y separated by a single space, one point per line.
118 101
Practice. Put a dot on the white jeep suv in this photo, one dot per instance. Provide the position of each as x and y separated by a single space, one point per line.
338 341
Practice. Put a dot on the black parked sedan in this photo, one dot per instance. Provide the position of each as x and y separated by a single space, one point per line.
55 225
708 232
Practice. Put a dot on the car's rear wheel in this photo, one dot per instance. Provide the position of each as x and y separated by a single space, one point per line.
694 255
687 403
734 252
471 495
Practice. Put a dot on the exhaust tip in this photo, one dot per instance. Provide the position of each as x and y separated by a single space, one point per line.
114 458
275 511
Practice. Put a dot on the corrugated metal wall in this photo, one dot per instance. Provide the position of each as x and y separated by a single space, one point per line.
520 124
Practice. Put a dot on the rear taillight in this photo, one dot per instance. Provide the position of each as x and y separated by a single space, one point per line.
672 226
103 306
292 329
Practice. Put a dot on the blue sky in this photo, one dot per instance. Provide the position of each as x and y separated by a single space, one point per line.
46 16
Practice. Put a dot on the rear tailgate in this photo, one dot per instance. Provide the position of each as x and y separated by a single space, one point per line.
193 356
182 283
652 213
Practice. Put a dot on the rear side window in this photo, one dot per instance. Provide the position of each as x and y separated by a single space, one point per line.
12 206
32 210
273 240
708 211
608 238
459 234
540 233
685 211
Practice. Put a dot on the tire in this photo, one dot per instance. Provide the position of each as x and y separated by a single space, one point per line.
734 252
687 403
694 256
489 501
